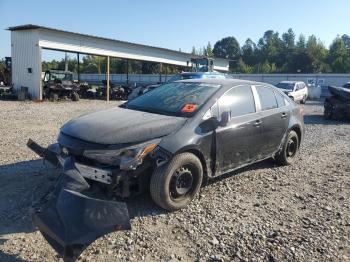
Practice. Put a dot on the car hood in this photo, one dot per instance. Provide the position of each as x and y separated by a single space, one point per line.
119 126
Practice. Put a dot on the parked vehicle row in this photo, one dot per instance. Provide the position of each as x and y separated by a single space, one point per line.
167 141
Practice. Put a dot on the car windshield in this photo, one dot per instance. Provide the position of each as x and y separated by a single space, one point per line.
286 86
61 76
175 99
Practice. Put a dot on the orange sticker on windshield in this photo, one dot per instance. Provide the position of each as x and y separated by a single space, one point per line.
189 108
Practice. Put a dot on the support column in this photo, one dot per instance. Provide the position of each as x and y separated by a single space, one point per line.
40 78
160 72
78 57
127 71
107 91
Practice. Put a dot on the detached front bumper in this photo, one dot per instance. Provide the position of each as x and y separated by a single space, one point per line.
68 216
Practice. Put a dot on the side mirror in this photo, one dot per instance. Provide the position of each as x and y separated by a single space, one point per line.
225 117
210 124
213 123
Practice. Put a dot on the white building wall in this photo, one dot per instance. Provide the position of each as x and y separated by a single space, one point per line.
26 53
321 79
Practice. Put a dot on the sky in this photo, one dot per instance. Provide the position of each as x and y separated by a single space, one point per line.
178 24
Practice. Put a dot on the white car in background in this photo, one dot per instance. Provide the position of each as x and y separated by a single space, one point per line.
294 89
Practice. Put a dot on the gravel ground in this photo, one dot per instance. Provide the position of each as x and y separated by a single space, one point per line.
262 213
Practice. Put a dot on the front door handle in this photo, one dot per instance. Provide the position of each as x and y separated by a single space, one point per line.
257 123
284 115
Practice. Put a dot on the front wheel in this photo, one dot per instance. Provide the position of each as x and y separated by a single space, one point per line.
289 151
303 101
174 185
328 111
75 96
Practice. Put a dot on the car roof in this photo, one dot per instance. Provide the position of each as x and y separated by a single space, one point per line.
225 82
200 73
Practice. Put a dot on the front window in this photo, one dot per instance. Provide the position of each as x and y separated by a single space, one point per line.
176 99
239 101
286 86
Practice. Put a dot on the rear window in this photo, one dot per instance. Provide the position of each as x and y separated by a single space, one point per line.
267 98
286 86
280 99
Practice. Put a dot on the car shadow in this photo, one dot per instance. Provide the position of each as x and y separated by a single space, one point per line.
10 258
320 120
265 164
22 184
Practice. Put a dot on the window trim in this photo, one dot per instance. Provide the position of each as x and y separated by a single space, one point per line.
258 98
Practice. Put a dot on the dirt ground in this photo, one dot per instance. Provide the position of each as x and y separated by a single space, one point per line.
261 213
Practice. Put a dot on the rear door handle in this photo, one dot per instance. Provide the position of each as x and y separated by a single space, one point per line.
284 115
257 123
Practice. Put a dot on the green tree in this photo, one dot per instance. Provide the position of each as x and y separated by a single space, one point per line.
194 51
244 68
339 57
228 48
270 49
318 54
346 40
289 39
209 50
248 51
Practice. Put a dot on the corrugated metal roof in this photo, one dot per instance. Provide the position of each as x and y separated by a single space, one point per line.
31 26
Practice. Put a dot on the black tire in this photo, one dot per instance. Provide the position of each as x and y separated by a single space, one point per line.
289 149
174 185
303 101
75 96
53 97
328 112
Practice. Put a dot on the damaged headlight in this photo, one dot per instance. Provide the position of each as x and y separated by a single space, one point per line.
127 158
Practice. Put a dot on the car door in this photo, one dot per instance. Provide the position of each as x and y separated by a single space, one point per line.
239 141
275 118
304 91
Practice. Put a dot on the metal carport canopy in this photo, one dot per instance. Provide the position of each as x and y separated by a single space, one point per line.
28 40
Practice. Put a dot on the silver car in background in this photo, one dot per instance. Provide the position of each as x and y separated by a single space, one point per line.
296 90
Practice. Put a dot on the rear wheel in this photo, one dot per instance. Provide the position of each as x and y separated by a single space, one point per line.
303 101
289 149
174 185
53 97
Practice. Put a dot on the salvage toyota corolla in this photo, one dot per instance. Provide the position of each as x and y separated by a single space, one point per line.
168 141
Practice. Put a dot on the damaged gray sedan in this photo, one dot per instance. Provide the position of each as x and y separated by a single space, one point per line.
168 141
